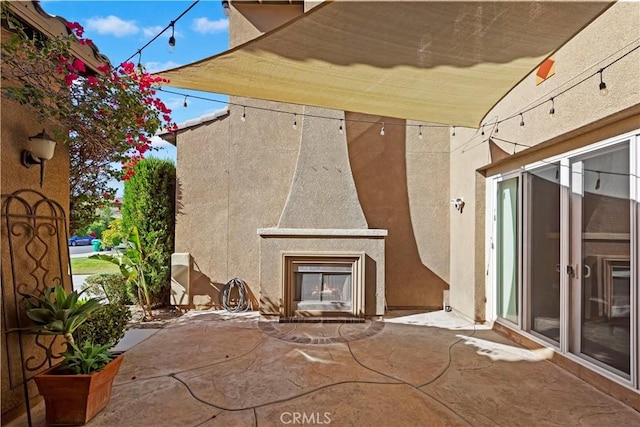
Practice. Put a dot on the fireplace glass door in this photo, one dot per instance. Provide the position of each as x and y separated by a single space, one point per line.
322 287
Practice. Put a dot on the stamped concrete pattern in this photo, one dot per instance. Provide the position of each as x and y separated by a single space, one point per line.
219 369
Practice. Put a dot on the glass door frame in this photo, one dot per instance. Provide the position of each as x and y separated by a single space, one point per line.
496 247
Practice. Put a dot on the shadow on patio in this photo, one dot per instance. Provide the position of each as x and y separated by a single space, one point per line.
215 368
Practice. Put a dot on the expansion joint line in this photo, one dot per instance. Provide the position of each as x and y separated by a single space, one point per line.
418 388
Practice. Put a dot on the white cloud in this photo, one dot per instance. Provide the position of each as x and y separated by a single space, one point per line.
174 103
154 67
150 32
112 25
204 26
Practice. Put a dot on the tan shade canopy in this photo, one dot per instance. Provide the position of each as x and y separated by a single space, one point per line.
442 62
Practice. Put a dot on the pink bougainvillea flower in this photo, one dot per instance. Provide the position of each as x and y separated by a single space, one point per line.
70 78
92 81
105 68
79 65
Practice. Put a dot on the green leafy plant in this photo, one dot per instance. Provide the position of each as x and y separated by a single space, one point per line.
104 327
86 359
131 263
57 313
111 285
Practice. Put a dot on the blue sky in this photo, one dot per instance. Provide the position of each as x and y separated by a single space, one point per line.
120 28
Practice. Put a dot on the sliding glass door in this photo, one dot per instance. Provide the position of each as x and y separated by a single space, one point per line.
601 217
543 251
566 264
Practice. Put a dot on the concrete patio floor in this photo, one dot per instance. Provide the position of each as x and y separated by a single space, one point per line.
430 369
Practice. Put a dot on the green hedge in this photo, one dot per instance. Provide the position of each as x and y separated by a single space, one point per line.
106 326
111 285
149 204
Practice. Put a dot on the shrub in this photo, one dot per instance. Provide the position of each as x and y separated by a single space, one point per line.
112 285
106 326
112 236
149 205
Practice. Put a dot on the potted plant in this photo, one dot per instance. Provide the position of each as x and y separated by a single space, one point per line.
77 389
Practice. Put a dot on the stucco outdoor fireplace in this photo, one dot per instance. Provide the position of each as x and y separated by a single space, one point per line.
322 259
321 272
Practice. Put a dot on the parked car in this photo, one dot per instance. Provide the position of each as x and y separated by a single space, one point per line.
80 240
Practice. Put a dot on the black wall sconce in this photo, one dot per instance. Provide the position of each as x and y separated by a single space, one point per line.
42 149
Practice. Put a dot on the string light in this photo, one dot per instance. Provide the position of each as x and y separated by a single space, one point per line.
341 129
244 114
453 133
598 182
172 39
521 120
185 101
382 129
171 24
482 133
603 86
497 129
140 59
420 134
295 121
552 111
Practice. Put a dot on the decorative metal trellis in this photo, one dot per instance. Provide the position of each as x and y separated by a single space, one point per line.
35 256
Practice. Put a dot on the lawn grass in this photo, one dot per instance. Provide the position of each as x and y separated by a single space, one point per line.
92 266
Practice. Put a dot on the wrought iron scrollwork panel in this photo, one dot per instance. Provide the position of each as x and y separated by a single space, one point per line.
35 256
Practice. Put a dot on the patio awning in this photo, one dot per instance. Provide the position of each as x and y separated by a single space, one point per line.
442 62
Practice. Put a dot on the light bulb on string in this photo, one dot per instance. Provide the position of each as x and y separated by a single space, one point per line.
482 133
172 39
140 60
420 133
603 86
341 129
598 182
295 121
497 129
521 122
185 102
382 129
453 133
552 111
244 114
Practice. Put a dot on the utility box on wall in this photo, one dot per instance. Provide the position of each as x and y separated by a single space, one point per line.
181 268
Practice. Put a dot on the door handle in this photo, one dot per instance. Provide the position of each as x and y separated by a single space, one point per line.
570 270
587 271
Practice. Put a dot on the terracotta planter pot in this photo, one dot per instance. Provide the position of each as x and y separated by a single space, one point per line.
75 399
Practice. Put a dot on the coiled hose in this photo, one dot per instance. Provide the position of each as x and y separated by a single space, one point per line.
242 303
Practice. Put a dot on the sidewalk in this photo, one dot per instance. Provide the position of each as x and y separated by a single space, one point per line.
216 369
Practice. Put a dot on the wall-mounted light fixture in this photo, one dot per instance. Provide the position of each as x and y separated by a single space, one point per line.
225 7
458 203
42 149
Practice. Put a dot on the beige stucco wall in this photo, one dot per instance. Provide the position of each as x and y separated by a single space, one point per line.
233 178
17 125
402 185
580 110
